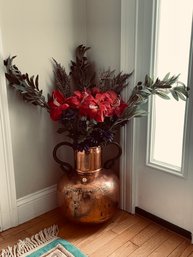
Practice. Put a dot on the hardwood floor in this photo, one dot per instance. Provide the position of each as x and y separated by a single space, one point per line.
125 235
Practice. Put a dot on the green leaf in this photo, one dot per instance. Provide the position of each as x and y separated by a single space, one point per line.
146 90
36 81
175 95
182 89
162 95
140 113
167 76
148 81
182 97
182 84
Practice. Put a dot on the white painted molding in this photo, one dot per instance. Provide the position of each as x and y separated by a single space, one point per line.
129 17
35 204
8 210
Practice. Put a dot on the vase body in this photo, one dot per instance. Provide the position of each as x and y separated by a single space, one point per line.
91 194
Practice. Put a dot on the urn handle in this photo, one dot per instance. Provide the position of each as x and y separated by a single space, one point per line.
109 163
64 165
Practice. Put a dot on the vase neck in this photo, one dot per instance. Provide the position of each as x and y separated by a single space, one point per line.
88 161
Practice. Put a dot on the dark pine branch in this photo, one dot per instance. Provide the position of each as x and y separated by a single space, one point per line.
28 87
82 71
109 81
61 79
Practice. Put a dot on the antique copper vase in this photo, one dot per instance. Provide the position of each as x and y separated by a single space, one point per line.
88 193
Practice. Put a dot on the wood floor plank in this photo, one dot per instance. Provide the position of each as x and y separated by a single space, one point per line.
120 240
167 247
124 250
187 251
130 221
146 234
98 243
90 237
153 243
180 249
13 239
93 232
120 216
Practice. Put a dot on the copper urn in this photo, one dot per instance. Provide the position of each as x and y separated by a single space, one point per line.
88 193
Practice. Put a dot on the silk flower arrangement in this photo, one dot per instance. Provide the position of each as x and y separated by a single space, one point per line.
88 106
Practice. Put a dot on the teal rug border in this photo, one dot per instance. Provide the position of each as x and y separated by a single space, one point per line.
72 249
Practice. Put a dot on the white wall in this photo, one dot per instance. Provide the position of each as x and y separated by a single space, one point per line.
36 31
104 31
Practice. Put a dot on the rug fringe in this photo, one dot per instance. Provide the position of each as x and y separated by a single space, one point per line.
24 246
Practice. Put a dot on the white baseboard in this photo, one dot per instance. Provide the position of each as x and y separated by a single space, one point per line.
33 205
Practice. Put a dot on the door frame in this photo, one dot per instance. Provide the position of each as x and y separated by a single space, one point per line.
8 203
128 63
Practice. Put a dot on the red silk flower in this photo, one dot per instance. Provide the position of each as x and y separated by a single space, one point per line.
102 105
91 104
118 105
77 99
93 108
57 104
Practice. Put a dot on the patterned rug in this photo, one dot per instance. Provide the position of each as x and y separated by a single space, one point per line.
44 244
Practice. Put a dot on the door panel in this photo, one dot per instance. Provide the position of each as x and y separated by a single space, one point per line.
163 194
